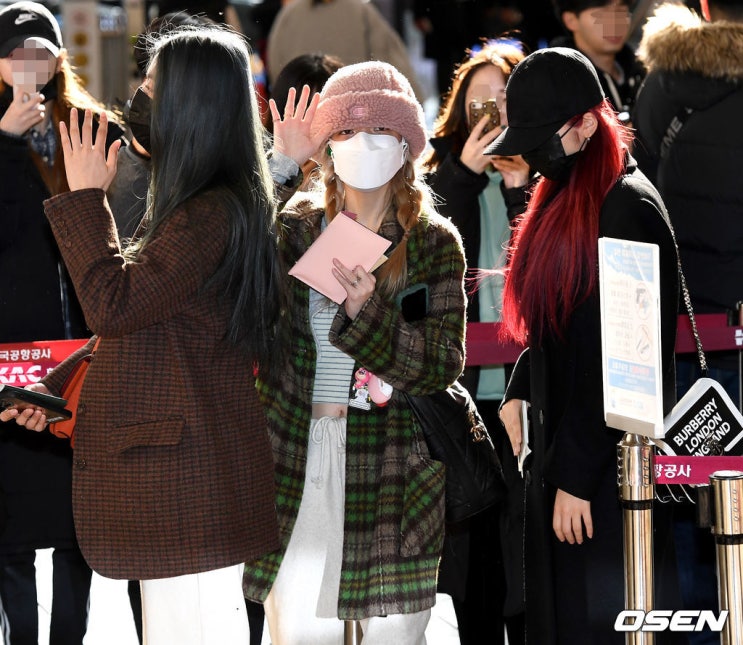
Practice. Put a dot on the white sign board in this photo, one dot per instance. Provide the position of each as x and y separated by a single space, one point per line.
630 336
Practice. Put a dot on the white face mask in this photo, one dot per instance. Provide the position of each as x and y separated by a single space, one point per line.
368 161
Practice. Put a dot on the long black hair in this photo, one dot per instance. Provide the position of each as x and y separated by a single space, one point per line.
206 135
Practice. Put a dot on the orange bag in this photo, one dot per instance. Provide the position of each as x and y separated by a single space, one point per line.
71 392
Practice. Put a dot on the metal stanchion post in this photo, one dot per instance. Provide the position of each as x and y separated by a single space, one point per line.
727 489
352 632
636 491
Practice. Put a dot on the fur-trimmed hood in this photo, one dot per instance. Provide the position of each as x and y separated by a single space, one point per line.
676 39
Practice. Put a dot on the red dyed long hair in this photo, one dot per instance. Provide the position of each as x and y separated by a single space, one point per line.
553 263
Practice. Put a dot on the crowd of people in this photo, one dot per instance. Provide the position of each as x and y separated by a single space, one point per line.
274 471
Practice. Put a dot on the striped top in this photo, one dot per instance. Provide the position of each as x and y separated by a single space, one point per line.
333 368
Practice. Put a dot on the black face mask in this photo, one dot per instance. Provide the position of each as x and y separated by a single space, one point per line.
49 91
138 113
550 160
6 98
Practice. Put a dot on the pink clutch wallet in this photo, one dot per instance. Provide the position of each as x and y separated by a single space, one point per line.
348 241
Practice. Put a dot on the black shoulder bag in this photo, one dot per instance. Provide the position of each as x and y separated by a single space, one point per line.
455 435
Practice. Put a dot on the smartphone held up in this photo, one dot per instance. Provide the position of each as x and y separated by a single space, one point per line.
478 109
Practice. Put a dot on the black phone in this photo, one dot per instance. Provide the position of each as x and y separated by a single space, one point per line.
478 109
18 397
413 302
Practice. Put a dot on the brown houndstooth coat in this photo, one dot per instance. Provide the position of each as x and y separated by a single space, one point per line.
172 471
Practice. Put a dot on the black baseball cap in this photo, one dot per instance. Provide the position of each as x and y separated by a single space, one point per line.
23 20
546 89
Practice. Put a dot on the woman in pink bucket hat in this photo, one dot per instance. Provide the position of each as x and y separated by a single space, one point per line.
360 503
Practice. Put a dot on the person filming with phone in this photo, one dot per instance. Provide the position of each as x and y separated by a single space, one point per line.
482 195
38 301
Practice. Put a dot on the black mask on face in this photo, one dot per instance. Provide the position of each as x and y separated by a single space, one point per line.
138 113
550 160
49 91
6 98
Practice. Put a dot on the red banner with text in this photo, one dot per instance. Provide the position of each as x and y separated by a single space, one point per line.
24 363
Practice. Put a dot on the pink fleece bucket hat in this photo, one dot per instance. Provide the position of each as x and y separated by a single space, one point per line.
367 95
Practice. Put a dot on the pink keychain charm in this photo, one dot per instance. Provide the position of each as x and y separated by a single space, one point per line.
368 389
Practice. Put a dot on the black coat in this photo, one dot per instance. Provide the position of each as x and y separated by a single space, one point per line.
574 593
458 190
38 302
700 179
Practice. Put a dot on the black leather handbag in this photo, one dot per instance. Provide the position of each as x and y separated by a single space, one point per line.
456 435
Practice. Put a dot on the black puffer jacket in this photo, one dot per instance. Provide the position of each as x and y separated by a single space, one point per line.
697 65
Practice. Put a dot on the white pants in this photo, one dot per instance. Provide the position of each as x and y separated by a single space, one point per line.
301 608
198 609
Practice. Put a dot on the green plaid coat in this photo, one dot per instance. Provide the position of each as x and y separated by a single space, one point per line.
394 515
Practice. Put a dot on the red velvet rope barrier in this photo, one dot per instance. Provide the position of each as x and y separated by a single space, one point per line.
24 363
484 347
